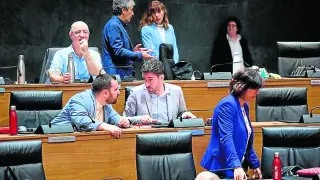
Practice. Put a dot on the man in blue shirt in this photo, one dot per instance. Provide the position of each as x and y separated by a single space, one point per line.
86 61
92 108
118 51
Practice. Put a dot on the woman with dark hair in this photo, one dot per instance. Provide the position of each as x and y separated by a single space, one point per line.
231 48
155 29
230 150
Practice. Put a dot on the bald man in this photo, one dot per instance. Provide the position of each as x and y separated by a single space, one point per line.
207 175
86 61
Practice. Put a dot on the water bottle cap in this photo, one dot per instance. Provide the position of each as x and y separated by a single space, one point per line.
12 107
276 154
21 56
70 55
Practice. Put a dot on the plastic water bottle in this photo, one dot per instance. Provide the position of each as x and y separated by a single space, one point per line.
70 68
21 71
276 167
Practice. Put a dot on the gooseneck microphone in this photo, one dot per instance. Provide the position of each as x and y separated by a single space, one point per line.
222 64
81 128
310 114
12 67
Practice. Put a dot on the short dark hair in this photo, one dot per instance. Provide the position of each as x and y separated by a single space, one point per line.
234 19
153 66
102 81
245 79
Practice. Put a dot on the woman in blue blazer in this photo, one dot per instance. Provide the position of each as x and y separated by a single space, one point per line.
155 29
230 150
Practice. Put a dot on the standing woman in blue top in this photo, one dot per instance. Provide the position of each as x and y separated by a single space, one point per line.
231 143
155 29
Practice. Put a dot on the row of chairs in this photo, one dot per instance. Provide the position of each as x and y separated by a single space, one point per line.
161 156
272 104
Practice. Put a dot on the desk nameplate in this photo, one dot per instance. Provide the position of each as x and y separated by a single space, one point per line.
60 139
315 82
194 132
217 84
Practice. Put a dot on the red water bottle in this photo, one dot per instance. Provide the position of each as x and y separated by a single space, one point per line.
276 167
13 121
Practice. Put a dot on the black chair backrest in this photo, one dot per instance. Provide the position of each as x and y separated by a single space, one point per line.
36 108
127 91
294 54
296 146
165 156
24 158
166 57
281 104
48 57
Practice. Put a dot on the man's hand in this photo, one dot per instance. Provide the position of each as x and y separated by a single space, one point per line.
239 174
115 131
145 119
146 55
187 115
66 78
84 47
257 173
138 48
124 122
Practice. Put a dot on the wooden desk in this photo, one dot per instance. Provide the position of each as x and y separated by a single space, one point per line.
197 94
96 155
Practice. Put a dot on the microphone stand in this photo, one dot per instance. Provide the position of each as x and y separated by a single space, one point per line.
81 128
310 114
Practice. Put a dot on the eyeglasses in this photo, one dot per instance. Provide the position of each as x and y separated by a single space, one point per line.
78 32
232 25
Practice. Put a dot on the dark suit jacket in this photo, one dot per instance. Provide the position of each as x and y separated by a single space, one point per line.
221 53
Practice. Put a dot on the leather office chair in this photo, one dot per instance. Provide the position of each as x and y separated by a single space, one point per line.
165 156
296 146
36 108
127 91
294 54
281 104
24 158
166 57
48 57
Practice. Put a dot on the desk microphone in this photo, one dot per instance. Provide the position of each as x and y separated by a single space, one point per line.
12 67
310 118
187 122
310 114
222 64
129 78
65 128
81 128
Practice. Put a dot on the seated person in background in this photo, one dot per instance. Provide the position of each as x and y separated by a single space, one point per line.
230 47
86 61
207 175
155 100
95 104
155 29
231 143
117 47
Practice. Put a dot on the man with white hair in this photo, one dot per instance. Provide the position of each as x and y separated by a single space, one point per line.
86 61
118 51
